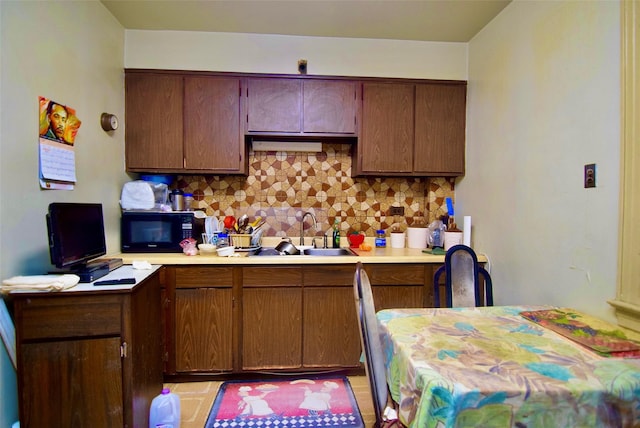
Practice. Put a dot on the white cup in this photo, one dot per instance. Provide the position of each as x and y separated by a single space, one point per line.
397 239
417 237
451 239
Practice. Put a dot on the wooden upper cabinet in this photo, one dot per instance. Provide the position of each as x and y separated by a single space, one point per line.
440 129
300 107
412 129
274 105
330 106
184 123
153 121
212 131
386 140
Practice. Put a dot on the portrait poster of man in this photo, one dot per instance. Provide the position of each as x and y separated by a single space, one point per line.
58 122
58 127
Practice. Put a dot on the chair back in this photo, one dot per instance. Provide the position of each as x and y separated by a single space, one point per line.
462 280
370 339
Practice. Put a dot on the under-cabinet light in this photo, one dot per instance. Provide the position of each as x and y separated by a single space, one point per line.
286 146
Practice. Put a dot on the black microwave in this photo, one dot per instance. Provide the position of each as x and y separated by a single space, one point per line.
157 232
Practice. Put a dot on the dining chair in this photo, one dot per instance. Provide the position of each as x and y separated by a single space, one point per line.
463 285
386 415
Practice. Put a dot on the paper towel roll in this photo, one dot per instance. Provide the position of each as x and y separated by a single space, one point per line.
466 231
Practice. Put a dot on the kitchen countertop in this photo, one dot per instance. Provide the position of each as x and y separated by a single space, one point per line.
376 255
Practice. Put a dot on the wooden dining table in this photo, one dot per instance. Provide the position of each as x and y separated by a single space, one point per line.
493 367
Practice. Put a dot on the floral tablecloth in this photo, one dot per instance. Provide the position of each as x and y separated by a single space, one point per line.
491 367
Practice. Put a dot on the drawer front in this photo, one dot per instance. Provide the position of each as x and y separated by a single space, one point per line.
329 275
204 276
395 274
68 316
273 276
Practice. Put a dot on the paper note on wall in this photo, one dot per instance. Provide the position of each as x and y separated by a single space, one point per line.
57 161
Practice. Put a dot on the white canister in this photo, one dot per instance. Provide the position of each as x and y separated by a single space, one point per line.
417 237
397 239
451 239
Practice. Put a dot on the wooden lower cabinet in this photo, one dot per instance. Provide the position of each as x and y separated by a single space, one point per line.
88 359
330 328
330 325
271 328
271 317
203 329
401 285
203 319
251 318
88 373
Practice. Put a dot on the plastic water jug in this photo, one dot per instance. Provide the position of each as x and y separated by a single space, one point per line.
165 410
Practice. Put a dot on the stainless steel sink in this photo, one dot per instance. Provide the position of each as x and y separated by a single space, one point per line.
328 252
308 252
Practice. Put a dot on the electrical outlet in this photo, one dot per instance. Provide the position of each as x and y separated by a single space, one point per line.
396 210
590 175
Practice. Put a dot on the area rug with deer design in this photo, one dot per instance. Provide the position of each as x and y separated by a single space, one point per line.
286 402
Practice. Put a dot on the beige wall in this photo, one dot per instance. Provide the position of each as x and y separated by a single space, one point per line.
544 99
260 53
71 52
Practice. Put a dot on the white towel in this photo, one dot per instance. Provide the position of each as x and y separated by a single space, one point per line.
40 282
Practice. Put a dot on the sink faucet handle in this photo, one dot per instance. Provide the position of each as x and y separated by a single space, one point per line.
313 240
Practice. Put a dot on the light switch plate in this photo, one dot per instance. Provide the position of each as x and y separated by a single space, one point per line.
396 210
590 175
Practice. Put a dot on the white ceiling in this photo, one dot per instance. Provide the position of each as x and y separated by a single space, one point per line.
425 20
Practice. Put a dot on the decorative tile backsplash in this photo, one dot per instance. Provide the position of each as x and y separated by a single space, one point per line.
282 186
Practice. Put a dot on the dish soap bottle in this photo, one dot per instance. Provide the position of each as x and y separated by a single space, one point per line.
336 233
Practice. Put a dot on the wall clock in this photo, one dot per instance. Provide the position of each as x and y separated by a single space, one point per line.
109 122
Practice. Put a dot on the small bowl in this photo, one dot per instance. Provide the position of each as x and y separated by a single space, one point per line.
225 251
207 249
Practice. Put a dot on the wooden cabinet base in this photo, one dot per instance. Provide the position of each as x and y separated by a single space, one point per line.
88 359
247 319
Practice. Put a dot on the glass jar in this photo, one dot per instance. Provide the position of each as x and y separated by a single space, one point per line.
188 201
223 240
381 239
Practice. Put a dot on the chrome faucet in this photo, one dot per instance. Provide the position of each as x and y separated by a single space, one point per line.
315 225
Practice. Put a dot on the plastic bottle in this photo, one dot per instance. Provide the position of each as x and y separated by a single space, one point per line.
336 233
381 239
165 410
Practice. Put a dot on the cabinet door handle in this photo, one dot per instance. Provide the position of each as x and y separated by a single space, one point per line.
123 350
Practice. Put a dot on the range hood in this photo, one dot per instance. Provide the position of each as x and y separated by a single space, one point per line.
286 146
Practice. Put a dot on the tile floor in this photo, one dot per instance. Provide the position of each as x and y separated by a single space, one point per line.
196 399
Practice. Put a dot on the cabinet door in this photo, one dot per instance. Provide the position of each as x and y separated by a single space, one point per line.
213 138
204 329
386 141
401 286
271 328
153 131
331 337
329 106
274 105
440 129
71 383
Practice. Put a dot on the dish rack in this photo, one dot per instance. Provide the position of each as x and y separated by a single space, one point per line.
238 240
242 240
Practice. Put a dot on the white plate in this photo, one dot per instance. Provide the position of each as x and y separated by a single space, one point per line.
247 249
207 225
